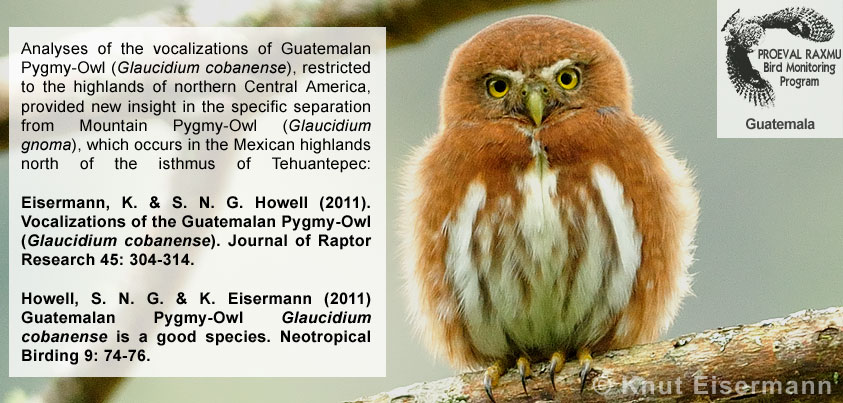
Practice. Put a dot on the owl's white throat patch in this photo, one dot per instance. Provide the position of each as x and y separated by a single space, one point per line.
536 147
538 152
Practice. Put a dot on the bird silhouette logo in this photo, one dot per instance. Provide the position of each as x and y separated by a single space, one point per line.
742 34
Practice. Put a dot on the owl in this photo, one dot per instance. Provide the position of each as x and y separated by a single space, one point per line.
544 218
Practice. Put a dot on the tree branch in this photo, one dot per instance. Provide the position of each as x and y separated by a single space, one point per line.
405 21
789 354
81 389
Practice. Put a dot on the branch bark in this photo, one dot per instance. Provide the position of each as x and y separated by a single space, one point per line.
789 354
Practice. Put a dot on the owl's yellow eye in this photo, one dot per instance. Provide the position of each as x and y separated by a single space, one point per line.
568 78
497 87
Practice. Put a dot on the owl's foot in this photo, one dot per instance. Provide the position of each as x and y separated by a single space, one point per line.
584 357
557 361
491 378
524 369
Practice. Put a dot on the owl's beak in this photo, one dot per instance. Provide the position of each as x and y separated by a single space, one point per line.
535 105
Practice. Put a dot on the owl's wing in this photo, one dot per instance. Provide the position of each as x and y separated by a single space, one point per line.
434 310
438 182
745 78
800 21
666 211
644 199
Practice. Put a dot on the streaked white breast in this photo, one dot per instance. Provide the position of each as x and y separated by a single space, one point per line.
509 267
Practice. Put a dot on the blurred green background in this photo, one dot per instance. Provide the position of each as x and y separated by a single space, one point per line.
771 229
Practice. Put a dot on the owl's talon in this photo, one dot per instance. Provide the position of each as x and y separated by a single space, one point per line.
524 369
487 384
584 357
557 361
491 378
586 368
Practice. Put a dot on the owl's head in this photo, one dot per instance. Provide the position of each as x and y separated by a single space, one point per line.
533 70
